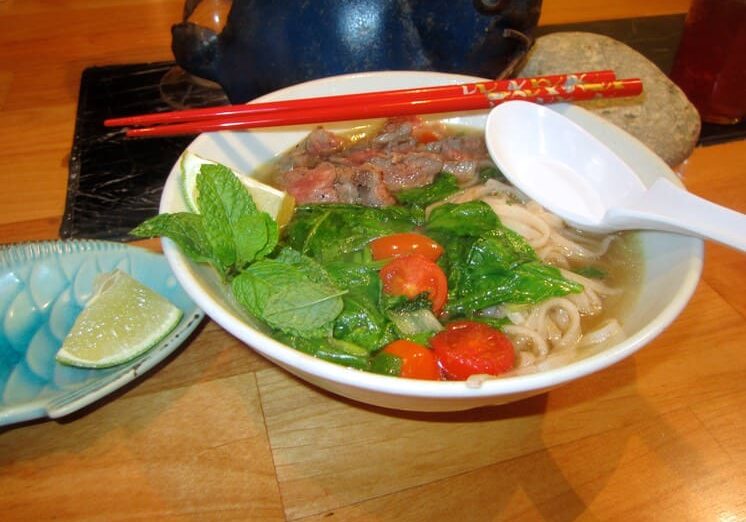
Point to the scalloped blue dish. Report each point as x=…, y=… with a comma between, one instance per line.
x=43, y=288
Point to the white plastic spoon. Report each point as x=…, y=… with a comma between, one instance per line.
x=568, y=171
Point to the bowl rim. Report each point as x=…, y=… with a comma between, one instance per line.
x=296, y=361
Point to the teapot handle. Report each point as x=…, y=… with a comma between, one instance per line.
x=489, y=7
x=195, y=49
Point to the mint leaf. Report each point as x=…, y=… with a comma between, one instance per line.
x=237, y=232
x=286, y=298
x=302, y=307
x=305, y=265
x=230, y=233
x=273, y=235
x=184, y=228
x=250, y=238
x=254, y=285
x=217, y=219
x=235, y=199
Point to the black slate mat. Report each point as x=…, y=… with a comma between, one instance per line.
x=114, y=184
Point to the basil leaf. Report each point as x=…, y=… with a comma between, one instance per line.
x=492, y=172
x=402, y=304
x=591, y=272
x=500, y=249
x=443, y=186
x=530, y=282
x=361, y=323
x=466, y=219
x=323, y=349
x=337, y=231
x=495, y=267
x=386, y=364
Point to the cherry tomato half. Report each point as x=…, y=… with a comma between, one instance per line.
x=411, y=275
x=404, y=244
x=467, y=348
x=417, y=361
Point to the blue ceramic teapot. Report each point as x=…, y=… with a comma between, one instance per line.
x=265, y=45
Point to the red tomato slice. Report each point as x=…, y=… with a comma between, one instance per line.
x=417, y=361
x=467, y=348
x=404, y=244
x=411, y=275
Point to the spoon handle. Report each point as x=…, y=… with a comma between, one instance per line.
x=665, y=206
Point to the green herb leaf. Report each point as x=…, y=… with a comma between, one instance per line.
x=216, y=218
x=306, y=266
x=324, y=349
x=500, y=249
x=492, y=173
x=250, y=238
x=184, y=228
x=402, y=304
x=494, y=322
x=333, y=232
x=286, y=298
x=443, y=186
x=530, y=282
x=466, y=219
x=386, y=364
x=361, y=323
x=302, y=307
x=591, y=272
x=235, y=199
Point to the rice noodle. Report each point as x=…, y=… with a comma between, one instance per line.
x=526, y=338
x=608, y=330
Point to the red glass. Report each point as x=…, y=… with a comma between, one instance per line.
x=710, y=65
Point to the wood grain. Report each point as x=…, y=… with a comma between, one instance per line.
x=218, y=432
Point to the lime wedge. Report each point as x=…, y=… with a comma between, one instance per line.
x=276, y=203
x=122, y=320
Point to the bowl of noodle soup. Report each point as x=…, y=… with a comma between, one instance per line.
x=650, y=275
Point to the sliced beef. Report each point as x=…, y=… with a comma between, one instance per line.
x=317, y=147
x=312, y=185
x=403, y=171
x=363, y=185
x=323, y=143
x=466, y=171
x=398, y=135
x=406, y=153
x=464, y=147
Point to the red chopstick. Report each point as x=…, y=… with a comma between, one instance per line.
x=464, y=102
x=419, y=93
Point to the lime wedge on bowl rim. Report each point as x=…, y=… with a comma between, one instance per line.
x=122, y=320
x=277, y=203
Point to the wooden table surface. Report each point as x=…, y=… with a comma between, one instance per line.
x=217, y=432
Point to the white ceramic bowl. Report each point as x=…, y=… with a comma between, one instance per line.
x=671, y=270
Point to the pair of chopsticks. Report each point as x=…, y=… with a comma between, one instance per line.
x=400, y=102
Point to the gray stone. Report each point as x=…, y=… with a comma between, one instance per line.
x=661, y=117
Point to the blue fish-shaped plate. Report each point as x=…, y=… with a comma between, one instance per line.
x=43, y=288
